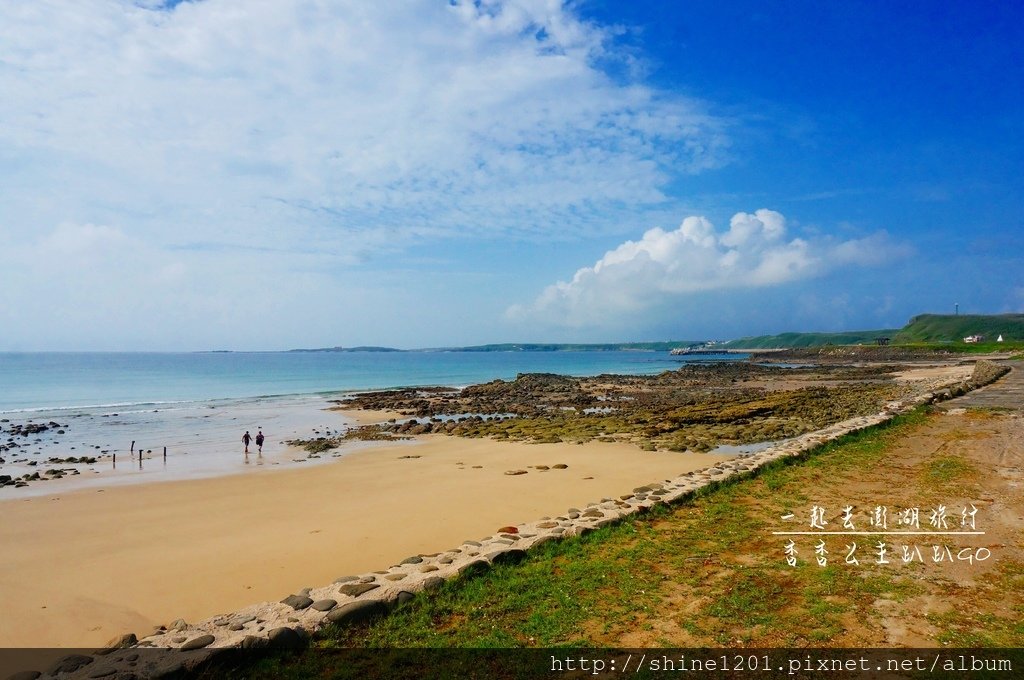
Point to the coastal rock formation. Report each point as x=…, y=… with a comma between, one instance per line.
x=694, y=408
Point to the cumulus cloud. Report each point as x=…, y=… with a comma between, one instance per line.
x=754, y=252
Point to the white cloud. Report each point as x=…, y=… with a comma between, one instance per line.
x=753, y=253
x=423, y=117
x=312, y=135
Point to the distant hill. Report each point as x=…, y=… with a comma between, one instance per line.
x=528, y=347
x=578, y=347
x=808, y=339
x=349, y=349
x=924, y=328
x=955, y=327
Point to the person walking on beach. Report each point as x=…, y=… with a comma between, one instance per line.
x=246, y=438
x=259, y=440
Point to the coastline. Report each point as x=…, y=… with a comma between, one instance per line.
x=91, y=565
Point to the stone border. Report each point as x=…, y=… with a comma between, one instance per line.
x=361, y=598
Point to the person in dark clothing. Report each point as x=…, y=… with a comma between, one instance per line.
x=259, y=440
x=246, y=438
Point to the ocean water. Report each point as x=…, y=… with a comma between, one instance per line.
x=33, y=381
x=111, y=406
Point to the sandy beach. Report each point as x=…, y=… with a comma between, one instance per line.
x=82, y=567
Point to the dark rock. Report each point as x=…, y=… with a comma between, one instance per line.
x=354, y=613
x=415, y=559
x=25, y=675
x=253, y=642
x=325, y=605
x=508, y=530
x=103, y=672
x=70, y=664
x=174, y=669
x=433, y=583
x=297, y=602
x=403, y=597
x=286, y=638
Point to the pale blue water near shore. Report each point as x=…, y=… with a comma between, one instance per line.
x=198, y=404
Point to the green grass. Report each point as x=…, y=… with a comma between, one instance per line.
x=954, y=328
x=795, y=339
x=945, y=469
x=960, y=347
x=925, y=332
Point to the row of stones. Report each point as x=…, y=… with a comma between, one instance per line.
x=355, y=599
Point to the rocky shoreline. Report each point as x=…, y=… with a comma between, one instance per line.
x=695, y=408
x=358, y=598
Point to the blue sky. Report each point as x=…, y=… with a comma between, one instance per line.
x=267, y=175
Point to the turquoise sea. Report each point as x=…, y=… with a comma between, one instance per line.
x=197, y=405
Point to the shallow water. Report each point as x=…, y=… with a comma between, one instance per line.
x=203, y=439
x=197, y=405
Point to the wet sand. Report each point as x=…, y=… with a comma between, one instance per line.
x=82, y=567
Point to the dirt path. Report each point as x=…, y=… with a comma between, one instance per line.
x=957, y=460
x=1005, y=393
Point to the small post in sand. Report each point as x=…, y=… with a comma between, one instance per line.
x=165, y=455
x=132, y=451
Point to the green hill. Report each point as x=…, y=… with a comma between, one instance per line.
x=954, y=328
x=808, y=339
